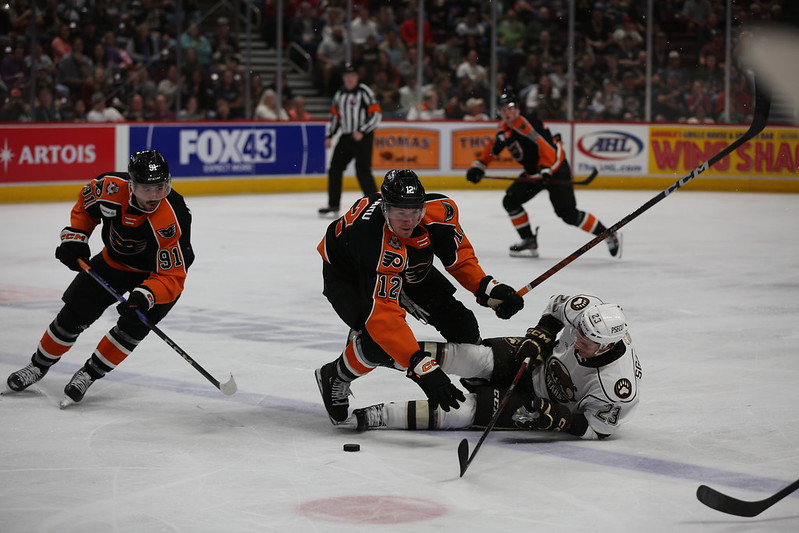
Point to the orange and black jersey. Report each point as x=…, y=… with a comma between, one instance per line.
x=135, y=241
x=532, y=147
x=361, y=248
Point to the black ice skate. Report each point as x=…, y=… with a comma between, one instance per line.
x=77, y=387
x=614, y=241
x=526, y=247
x=328, y=211
x=25, y=377
x=372, y=417
x=335, y=393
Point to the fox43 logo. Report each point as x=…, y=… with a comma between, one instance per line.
x=234, y=145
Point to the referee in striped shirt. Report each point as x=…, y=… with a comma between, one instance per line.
x=356, y=112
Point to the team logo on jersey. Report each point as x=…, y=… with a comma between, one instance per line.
x=416, y=273
x=112, y=188
x=126, y=246
x=168, y=232
x=579, y=303
x=623, y=388
x=394, y=242
x=98, y=191
x=560, y=385
x=392, y=259
x=449, y=211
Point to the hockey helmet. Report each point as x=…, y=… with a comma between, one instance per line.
x=402, y=188
x=604, y=324
x=507, y=99
x=148, y=167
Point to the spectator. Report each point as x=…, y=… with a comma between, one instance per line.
x=77, y=113
x=61, y=45
x=268, y=108
x=13, y=70
x=140, y=83
x=118, y=57
x=472, y=25
x=475, y=110
x=229, y=88
x=393, y=46
x=161, y=111
x=699, y=115
x=386, y=21
x=528, y=75
x=510, y=37
x=298, y=110
x=544, y=100
x=668, y=100
x=598, y=29
x=330, y=57
x=607, y=104
x=387, y=94
x=472, y=69
x=168, y=86
x=45, y=110
x=196, y=86
x=409, y=31
x=143, y=48
x=135, y=111
x=451, y=49
x=362, y=26
x=192, y=110
x=428, y=109
x=15, y=109
x=697, y=13
x=193, y=39
x=98, y=82
x=715, y=48
x=221, y=111
x=74, y=68
x=223, y=44
x=305, y=29
x=628, y=29
x=286, y=93
x=102, y=113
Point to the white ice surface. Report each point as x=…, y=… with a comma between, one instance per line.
x=710, y=284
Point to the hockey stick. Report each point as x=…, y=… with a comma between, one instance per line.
x=228, y=387
x=463, y=448
x=537, y=178
x=760, y=116
x=727, y=504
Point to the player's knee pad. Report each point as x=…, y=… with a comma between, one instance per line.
x=511, y=202
x=507, y=360
x=487, y=400
x=570, y=216
x=72, y=321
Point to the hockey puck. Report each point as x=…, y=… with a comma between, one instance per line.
x=352, y=447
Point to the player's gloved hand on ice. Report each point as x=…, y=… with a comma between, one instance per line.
x=502, y=298
x=74, y=245
x=542, y=415
x=434, y=382
x=475, y=174
x=140, y=299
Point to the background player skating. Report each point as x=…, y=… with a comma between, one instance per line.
x=378, y=264
x=585, y=383
x=539, y=154
x=147, y=251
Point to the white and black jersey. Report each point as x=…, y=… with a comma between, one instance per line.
x=356, y=110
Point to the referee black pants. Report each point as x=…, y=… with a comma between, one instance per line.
x=346, y=149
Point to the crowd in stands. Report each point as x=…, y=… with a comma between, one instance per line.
x=108, y=60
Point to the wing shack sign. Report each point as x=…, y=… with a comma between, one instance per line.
x=416, y=148
x=55, y=154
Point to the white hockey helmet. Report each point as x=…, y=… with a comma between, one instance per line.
x=604, y=324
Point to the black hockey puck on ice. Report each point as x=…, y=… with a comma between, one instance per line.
x=352, y=447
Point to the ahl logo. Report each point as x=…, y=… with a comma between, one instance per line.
x=610, y=145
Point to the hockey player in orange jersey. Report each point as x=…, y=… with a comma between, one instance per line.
x=378, y=265
x=544, y=164
x=147, y=251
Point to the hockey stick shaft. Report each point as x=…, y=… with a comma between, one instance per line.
x=760, y=117
x=463, y=448
x=727, y=504
x=229, y=387
x=535, y=178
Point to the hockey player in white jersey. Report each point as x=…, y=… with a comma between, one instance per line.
x=583, y=381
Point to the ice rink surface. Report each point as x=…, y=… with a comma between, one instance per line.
x=709, y=282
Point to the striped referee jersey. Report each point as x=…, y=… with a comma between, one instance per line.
x=356, y=110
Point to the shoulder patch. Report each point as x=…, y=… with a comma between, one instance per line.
x=623, y=388
x=168, y=232
x=112, y=188
x=449, y=211
x=579, y=303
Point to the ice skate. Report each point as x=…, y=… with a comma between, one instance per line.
x=335, y=393
x=614, y=241
x=372, y=417
x=77, y=387
x=25, y=377
x=526, y=247
x=328, y=212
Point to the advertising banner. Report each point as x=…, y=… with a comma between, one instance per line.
x=406, y=147
x=614, y=149
x=51, y=153
x=775, y=152
x=217, y=150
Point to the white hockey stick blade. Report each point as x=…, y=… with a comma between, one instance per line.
x=771, y=54
x=229, y=387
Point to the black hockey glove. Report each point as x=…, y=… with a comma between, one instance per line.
x=500, y=297
x=434, y=382
x=499, y=143
x=74, y=245
x=537, y=345
x=475, y=174
x=543, y=415
x=546, y=176
x=139, y=299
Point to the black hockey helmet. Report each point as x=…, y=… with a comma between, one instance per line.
x=148, y=167
x=507, y=98
x=402, y=188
